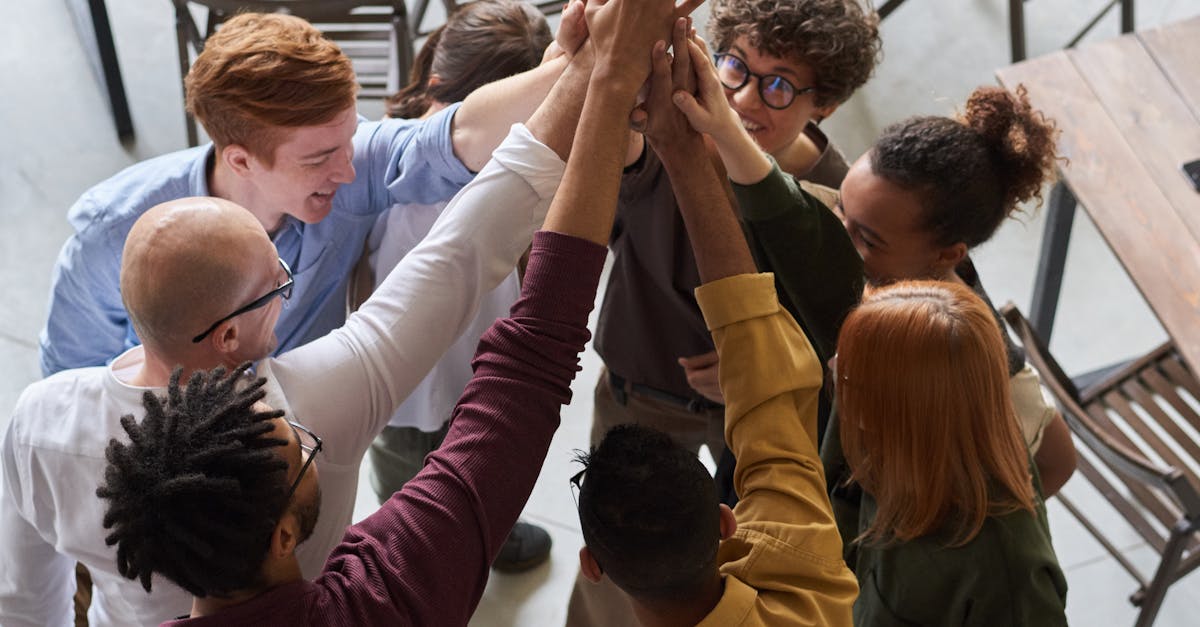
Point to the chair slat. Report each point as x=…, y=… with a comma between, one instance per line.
x=1152, y=500
x=1133, y=390
x=1129, y=511
x=1165, y=391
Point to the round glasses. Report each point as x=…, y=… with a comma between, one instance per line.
x=776, y=91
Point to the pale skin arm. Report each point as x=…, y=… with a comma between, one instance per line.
x=708, y=112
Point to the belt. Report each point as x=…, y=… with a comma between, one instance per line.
x=621, y=388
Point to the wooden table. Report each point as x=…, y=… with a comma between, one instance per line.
x=1129, y=112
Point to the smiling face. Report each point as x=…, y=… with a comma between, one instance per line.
x=309, y=165
x=773, y=129
x=884, y=221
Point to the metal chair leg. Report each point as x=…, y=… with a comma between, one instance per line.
x=1165, y=575
x=182, y=34
x=1126, y=16
x=1016, y=29
x=110, y=69
x=1056, y=236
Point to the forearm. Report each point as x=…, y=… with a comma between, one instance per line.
x=745, y=162
x=556, y=118
x=487, y=113
x=712, y=226
x=587, y=198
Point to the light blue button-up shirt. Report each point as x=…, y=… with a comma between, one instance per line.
x=397, y=161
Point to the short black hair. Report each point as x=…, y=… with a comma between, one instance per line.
x=649, y=513
x=197, y=491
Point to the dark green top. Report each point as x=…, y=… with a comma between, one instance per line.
x=1008, y=574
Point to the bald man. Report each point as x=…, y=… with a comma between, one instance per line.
x=204, y=285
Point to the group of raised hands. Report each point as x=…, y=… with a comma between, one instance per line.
x=650, y=46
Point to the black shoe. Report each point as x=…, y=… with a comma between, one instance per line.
x=527, y=547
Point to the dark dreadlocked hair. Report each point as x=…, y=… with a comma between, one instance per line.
x=197, y=491
x=649, y=514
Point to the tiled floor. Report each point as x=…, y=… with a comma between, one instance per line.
x=58, y=140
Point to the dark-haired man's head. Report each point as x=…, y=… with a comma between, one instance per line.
x=212, y=490
x=650, y=518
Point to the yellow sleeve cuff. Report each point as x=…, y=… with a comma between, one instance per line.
x=737, y=298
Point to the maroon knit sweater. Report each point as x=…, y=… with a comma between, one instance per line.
x=423, y=558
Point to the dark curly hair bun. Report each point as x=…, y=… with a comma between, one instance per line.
x=970, y=173
x=1021, y=140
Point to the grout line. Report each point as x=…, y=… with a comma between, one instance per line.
x=1106, y=555
x=24, y=343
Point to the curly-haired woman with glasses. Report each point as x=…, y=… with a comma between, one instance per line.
x=798, y=60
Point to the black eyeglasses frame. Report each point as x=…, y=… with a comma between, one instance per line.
x=312, y=454
x=284, y=291
x=763, y=79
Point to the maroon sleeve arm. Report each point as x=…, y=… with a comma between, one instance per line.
x=423, y=558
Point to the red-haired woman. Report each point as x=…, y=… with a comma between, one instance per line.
x=928, y=191
x=952, y=528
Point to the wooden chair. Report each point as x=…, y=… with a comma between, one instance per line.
x=1141, y=424
x=375, y=34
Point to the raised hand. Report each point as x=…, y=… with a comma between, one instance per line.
x=663, y=123
x=572, y=32
x=623, y=33
x=702, y=373
x=707, y=109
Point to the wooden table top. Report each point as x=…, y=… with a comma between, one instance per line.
x=1129, y=112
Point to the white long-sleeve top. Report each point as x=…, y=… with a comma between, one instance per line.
x=395, y=234
x=343, y=386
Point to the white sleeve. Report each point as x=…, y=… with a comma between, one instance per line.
x=346, y=385
x=1033, y=405
x=36, y=582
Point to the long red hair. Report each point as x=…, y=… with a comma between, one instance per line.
x=927, y=422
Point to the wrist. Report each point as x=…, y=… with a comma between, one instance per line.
x=744, y=161
x=614, y=79
x=680, y=147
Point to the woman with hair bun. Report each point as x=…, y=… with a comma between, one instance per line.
x=927, y=192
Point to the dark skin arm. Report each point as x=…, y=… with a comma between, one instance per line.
x=720, y=248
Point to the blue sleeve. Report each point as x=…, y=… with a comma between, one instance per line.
x=87, y=324
x=422, y=166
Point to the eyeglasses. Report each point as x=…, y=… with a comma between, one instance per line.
x=776, y=91
x=309, y=443
x=284, y=291
x=576, y=486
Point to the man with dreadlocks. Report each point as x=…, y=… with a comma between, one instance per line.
x=215, y=491
x=200, y=278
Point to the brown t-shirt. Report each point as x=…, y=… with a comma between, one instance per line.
x=649, y=317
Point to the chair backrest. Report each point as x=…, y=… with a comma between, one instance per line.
x=373, y=33
x=1137, y=422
